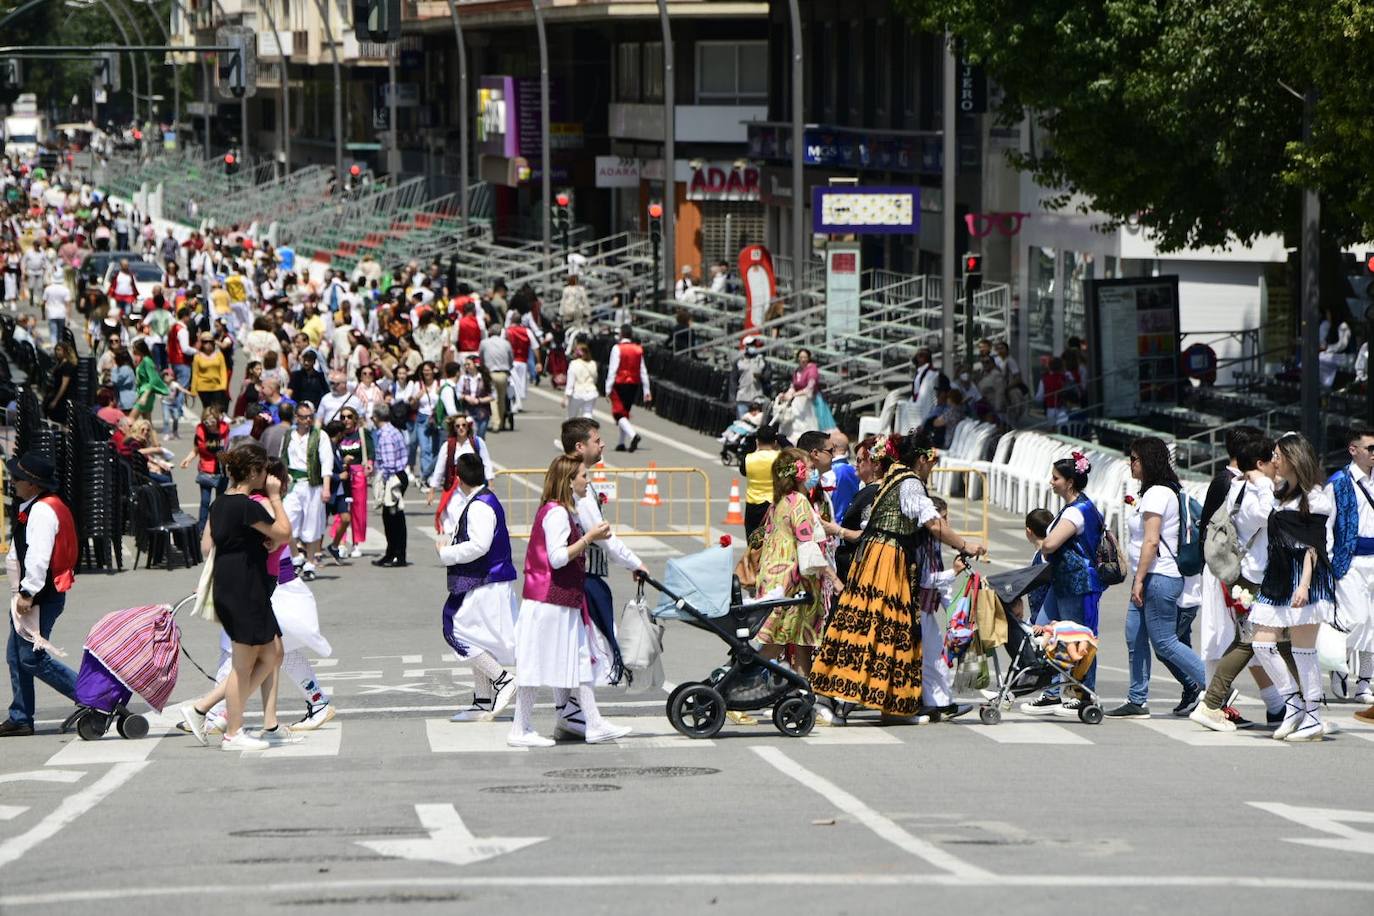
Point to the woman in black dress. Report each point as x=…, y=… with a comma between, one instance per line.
x=243, y=533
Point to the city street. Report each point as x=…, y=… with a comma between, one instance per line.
x=391, y=807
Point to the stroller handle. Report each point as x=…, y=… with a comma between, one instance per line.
x=189, y=599
x=798, y=600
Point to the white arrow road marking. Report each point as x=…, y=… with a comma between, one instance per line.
x=373, y=689
x=72, y=807
x=10, y=812
x=44, y=776
x=449, y=840
x=1335, y=821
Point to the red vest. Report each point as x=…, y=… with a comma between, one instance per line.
x=519, y=339
x=469, y=334
x=175, y=355
x=1054, y=383
x=631, y=357
x=62, y=566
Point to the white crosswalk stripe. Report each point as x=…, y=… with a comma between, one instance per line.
x=325, y=741
x=1026, y=732
x=1194, y=735
x=850, y=735
x=447, y=737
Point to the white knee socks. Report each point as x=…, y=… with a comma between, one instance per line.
x=524, y=710
x=487, y=671
x=627, y=432
x=298, y=668
x=1268, y=655
x=587, y=700
x=1310, y=678
x=1366, y=671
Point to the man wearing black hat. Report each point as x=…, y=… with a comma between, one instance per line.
x=41, y=565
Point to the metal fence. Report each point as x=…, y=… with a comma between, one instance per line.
x=968, y=515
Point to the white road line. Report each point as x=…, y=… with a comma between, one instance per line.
x=638, y=742
x=882, y=826
x=101, y=896
x=447, y=737
x=850, y=735
x=68, y=776
x=324, y=741
x=109, y=749
x=1194, y=735
x=1352, y=726
x=72, y=807
x=10, y=812
x=1027, y=732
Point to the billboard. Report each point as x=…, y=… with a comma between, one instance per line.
x=1134, y=326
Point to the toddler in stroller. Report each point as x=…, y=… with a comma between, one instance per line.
x=739, y=438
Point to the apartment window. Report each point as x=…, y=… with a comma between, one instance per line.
x=627, y=82
x=732, y=72
x=653, y=71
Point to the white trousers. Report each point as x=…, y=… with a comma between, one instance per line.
x=305, y=510
x=1355, y=603
x=936, y=676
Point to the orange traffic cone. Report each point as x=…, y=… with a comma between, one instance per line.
x=734, y=515
x=651, y=488
x=601, y=483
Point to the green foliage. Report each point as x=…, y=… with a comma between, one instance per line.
x=1177, y=111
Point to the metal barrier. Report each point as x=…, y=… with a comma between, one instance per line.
x=683, y=498
x=968, y=516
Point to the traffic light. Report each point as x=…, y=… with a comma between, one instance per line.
x=1369, y=262
x=106, y=72
x=231, y=164
x=377, y=20
x=355, y=170
x=562, y=203
x=237, y=68
x=11, y=74
x=973, y=273
x=656, y=222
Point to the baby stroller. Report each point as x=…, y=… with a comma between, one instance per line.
x=702, y=590
x=1032, y=666
x=130, y=651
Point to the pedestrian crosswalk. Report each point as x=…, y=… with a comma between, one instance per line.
x=354, y=733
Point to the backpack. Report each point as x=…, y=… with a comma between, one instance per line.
x=1110, y=561
x=1188, y=556
x=440, y=411
x=1221, y=547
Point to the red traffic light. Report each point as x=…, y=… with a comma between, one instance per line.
x=562, y=199
x=973, y=263
x=138, y=135
x=655, y=210
x=228, y=158
x=355, y=170
x=1369, y=262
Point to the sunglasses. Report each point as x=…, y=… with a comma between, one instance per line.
x=1369, y=449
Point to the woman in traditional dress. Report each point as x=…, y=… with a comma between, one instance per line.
x=1299, y=588
x=553, y=633
x=793, y=552
x=871, y=653
x=801, y=397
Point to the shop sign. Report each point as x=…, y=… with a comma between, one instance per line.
x=843, y=148
x=847, y=209
x=617, y=172
x=723, y=181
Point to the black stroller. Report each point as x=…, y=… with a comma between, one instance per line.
x=746, y=682
x=1032, y=668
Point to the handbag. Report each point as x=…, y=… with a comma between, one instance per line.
x=1331, y=654
x=639, y=634
x=811, y=559
x=205, y=591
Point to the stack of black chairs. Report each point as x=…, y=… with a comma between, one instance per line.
x=688, y=392
x=96, y=502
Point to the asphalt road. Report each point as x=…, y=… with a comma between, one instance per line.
x=392, y=808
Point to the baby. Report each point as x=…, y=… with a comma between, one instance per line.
x=746, y=425
x=1071, y=646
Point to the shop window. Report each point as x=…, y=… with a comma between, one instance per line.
x=1040, y=313
x=732, y=72
x=1077, y=271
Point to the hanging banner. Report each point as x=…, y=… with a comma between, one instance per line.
x=760, y=284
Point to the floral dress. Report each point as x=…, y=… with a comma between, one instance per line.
x=790, y=522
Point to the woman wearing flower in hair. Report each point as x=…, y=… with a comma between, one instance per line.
x=790, y=524
x=871, y=654
x=1071, y=549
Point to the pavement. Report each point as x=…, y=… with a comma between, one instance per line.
x=392, y=808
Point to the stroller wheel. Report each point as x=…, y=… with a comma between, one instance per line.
x=1090, y=715
x=990, y=715
x=132, y=726
x=794, y=716
x=726, y=459
x=697, y=710
x=92, y=726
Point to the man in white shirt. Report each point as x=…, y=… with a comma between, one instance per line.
x=33, y=268
x=338, y=396
x=1351, y=548
x=581, y=438
x=56, y=298
x=720, y=277
x=924, y=389
x=309, y=459
x=499, y=358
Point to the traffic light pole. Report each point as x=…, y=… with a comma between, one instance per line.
x=462, y=114
x=947, y=195
x=338, y=95
x=285, y=84
x=138, y=33
x=798, y=134
x=544, y=124
x=665, y=280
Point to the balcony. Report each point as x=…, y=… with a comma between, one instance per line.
x=271, y=44
x=694, y=123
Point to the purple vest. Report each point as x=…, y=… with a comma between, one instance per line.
x=495, y=565
x=563, y=587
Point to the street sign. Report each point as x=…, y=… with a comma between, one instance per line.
x=846, y=210
x=238, y=70
x=843, y=278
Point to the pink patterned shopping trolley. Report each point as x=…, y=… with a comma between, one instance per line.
x=130, y=651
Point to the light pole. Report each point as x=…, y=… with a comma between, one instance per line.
x=133, y=66
x=798, y=191
x=665, y=280
x=947, y=305
x=338, y=94
x=544, y=124
x=462, y=115
x=176, y=68
x=285, y=85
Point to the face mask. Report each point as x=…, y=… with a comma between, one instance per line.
x=963, y=376
x=813, y=479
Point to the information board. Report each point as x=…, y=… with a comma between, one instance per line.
x=1135, y=329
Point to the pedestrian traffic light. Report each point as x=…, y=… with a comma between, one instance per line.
x=973, y=273
x=562, y=201
x=355, y=170
x=11, y=74
x=377, y=20
x=1369, y=261
x=107, y=71
x=656, y=222
x=237, y=68
x=231, y=164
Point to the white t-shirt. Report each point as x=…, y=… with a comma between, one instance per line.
x=1072, y=516
x=55, y=299
x=1161, y=501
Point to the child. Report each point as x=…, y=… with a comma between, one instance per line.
x=1038, y=523
x=1072, y=646
x=937, y=694
x=746, y=425
x=173, y=406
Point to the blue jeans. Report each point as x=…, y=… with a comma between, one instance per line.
x=1154, y=626
x=55, y=328
x=182, y=373
x=429, y=448
x=211, y=485
x=1067, y=607
x=26, y=664
x=1186, y=616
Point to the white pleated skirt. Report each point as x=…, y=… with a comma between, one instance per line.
x=1267, y=615
x=486, y=621
x=552, y=646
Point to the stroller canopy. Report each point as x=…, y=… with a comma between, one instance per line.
x=702, y=579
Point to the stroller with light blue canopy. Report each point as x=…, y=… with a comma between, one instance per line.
x=701, y=590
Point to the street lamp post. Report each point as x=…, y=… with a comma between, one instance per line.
x=665, y=281
x=798, y=191
x=462, y=115
x=338, y=94
x=948, y=126
x=544, y=123
x=285, y=86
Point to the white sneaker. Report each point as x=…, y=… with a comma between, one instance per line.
x=528, y=739
x=1041, y=706
x=1068, y=709
x=505, y=692
x=477, y=712
x=242, y=742
x=195, y=720
x=1363, y=693
x=606, y=732
x=1213, y=719
x=314, y=718
x=215, y=723
x=1329, y=727
x=278, y=736
x=824, y=714
x=356, y=552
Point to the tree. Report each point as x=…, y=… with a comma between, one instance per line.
x=1182, y=112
